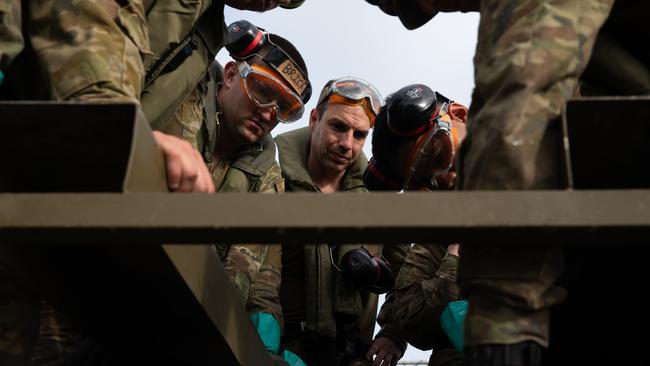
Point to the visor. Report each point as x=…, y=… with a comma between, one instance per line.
x=353, y=91
x=267, y=91
x=433, y=154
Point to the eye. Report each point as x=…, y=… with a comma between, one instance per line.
x=339, y=126
x=360, y=135
x=263, y=91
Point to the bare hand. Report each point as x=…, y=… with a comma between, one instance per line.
x=256, y=5
x=384, y=351
x=453, y=249
x=186, y=171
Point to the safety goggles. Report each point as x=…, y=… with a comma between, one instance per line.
x=434, y=153
x=266, y=90
x=353, y=91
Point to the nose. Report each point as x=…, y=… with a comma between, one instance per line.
x=267, y=114
x=346, y=141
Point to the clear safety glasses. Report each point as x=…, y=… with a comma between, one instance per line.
x=268, y=91
x=354, y=91
x=433, y=155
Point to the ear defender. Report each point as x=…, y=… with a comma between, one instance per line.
x=410, y=110
x=367, y=271
x=244, y=39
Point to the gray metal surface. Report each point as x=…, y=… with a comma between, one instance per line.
x=524, y=217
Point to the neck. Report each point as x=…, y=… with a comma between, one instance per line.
x=327, y=181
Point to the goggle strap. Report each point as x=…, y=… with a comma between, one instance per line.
x=372, y=167
x=415, y=132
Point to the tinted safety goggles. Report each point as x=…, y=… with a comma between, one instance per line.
x=266, y=90
x=354, y=91
x=434, y=153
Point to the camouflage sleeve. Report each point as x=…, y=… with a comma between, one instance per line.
x=425, y=284
x=91, y=50
x=188, y=117
x=395, y=254
x=265, y=290
x=11, y=38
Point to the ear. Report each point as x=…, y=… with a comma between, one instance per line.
x=230, y=74
x=313, y=118
x=458, y=111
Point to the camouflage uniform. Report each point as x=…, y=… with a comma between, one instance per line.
x=11, y=37
x=85, y=50
x=335, y=309
x=185, y=38
x=528, y=57
x=254, y=269
x=425, y=285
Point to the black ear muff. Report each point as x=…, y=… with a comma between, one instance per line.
x=366, y=271
x=244, y=39
x=386, y=279
x=410, y=110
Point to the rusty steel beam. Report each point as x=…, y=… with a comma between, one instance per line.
x=603, y=216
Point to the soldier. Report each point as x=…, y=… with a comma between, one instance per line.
x=528, y=59
x=94, y=51
x=265, y=85
x=414, y=144
x=328, y=318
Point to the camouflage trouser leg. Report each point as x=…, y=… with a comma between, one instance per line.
x=19, y=316
x=11, y=37
x=255, y=271
x=529, y=55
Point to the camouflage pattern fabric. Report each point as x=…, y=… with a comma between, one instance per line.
x=188, y=117
x=528, y=58
x=19, y=314
x=424, y=286
x=92, y=49
x=57, y=339
x=254, y=269
x=11, y=36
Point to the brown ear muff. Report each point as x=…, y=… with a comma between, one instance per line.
x=244, y=39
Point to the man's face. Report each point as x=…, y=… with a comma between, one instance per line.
x=421, y=180
x=338, y=136
x=245, y=121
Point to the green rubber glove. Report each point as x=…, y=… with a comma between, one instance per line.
x=292, y=359
x=452, y=322
x=268, y=329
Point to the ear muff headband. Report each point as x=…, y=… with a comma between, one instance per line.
x=252, y=46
